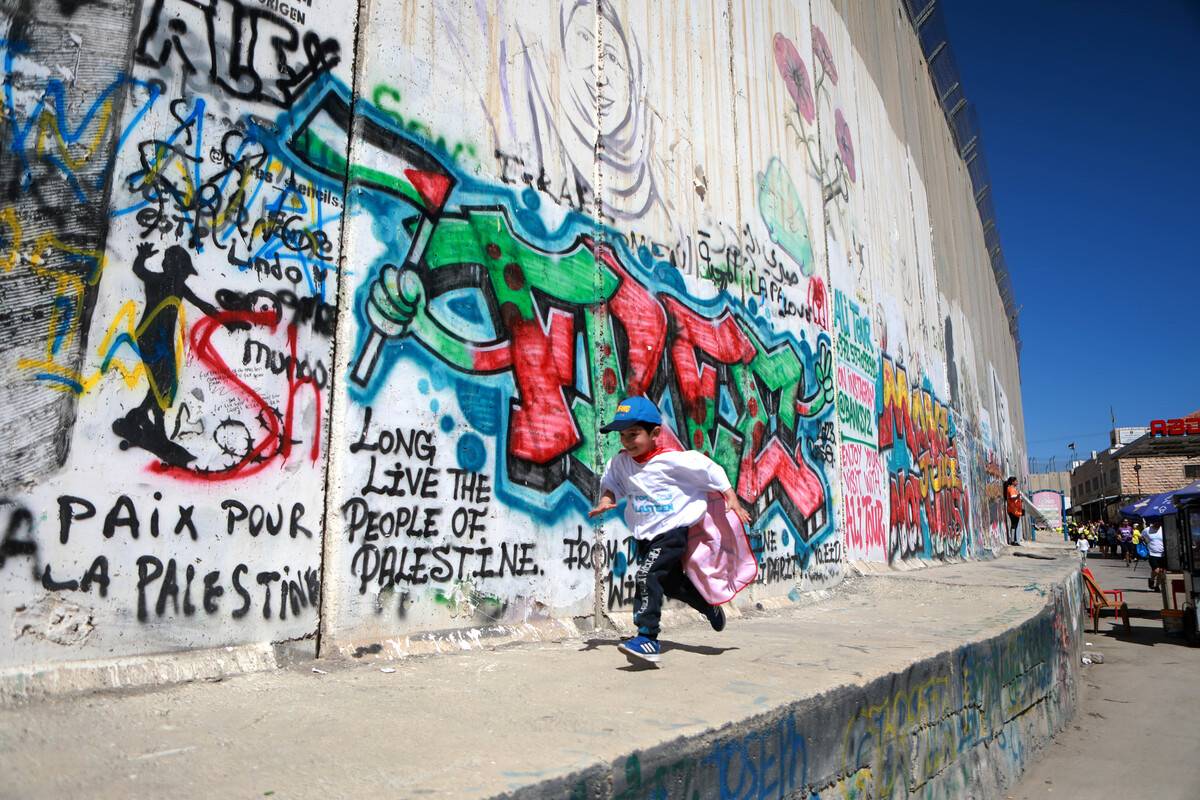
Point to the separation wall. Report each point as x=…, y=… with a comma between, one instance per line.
x=965, y=723
x=310, y=317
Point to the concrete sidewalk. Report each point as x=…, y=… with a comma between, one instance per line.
x=940, y=682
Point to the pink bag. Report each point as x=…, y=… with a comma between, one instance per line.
x=718, y=559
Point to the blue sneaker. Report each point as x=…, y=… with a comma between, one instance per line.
x=641, y=648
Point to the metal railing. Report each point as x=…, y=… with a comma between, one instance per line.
x=927, y=20
x=1038, y=466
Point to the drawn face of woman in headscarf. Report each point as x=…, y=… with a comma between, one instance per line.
x=579, y=48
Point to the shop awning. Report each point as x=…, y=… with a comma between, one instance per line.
x=1188, y=495
x=1156, y=505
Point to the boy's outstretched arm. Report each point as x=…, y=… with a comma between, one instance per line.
x=735, y=505
x=608, y=502
x=144, y=251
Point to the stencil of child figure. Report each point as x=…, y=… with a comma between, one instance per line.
x=159, y=337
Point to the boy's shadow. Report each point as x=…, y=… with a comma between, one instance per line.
x=698, y=649
x=667, y=646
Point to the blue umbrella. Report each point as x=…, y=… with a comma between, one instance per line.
x=1156, y=505
x=1188, y=493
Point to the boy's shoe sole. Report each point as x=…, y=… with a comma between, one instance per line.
x=634, y=657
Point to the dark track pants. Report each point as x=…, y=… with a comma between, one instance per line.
x=661, y=573
x=1014, y=525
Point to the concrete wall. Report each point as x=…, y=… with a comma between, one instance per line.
x=964, y=724
x=311, y=316
x=1058, y=481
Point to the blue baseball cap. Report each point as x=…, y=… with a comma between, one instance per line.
x=632, y=410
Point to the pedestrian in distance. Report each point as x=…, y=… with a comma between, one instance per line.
x=666, y=492
x=1137, y=544
x=1083, y=545
x=1152, y=537
x=1016, y=510
x=1126, y=538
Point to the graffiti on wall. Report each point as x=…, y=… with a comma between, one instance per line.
x=941, y=729
x=187, y=275
x=173, y=230
x=813, y=87
x=1001, y=419
x=864, y=478
x=544, y=331
x=62, y=121
x=581, y=85
x=192, y=188
x=929, y=508
x=248, y=52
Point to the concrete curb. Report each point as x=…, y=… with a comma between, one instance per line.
x=133, y=672
x=458, y=640
x=961, y=724
x=20, y=685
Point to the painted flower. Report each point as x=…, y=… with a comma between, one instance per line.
x=795, y=76
x=823, y=54
x=845, y=145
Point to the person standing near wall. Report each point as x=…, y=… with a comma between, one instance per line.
x=1016, y=510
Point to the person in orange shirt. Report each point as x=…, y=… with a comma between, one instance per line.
x=1016, y=510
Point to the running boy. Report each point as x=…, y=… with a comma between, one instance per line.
x=667, y=493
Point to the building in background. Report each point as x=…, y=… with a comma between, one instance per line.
x=1119, y=437
x=1150, y=462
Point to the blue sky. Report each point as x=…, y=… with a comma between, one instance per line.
x=1090, y=112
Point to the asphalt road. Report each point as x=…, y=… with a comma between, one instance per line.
x=1136, y=733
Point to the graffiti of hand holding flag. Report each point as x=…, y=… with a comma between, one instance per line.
x=386, y=161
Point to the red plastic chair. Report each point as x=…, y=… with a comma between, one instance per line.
x=1118, y=596
x=1097, y=600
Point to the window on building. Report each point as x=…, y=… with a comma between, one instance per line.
x=1191, y=470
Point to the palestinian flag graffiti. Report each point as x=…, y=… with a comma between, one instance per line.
x=385, y=159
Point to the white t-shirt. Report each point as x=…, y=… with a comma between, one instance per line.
x=1083, y=545
x=668, y=491
x=1153, y=538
